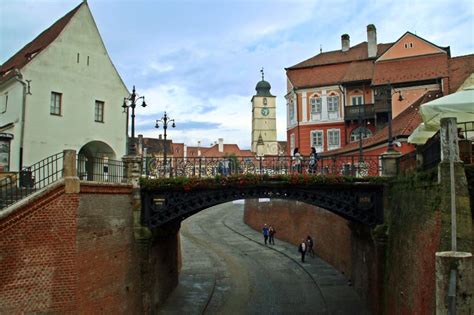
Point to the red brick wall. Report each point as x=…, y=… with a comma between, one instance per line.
x=37, y=256
x=71, y=253
x=294, y=220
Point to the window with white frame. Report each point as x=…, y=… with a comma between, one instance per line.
x=317, y=140
x=56, y=100
x=291, y=111
x=99, y=111
x=316, y=105
x=333, y=103
x=357, y=100
x=334, y=138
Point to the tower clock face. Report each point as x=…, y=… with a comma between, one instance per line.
x=264, y=101
x=265, y=111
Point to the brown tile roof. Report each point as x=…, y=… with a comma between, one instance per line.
x=402, y=126
x=410, y=69
x=24, y=55
x=318, y=76
x=228, y=149
x=155, y=146
x=359, y=71
x=460, y=68
x=357, y=52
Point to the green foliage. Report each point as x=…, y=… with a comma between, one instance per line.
x=250, y=180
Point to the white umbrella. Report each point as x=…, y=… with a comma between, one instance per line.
x=459, y=105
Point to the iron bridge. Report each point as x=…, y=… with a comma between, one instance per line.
x=356, y=202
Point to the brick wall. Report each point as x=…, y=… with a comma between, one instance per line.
x=294, y=220
x=70, y=253
x=37, y=255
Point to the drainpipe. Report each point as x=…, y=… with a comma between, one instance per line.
x=343, y=111
x=297, y=119
x=26, y=91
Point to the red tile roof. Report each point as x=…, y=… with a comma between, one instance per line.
x=460, y=68
x=22, y=57
x=410, y=69
x=318, y=76
x=402, y=126
x=359, y=71
x=357, y=52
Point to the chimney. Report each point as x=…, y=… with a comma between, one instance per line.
x=160, y=137
x=221, y=145
x=371, y=40
x=345, y=42
x=199, y=148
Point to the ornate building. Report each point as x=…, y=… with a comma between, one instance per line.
x=264, y=135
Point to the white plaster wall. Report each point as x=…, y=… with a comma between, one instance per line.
x=12, y=115
x=56, y=69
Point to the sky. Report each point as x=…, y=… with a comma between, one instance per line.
x=199, y=60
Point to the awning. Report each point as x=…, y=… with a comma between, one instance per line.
x=459, y=105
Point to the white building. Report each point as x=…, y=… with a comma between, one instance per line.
x=61, y=91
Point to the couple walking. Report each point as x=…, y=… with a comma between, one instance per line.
x=268, y=234
x=306, y=246
x=297, y=161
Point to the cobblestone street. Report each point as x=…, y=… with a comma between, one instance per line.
x=228, y=270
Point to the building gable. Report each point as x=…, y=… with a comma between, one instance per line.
x=410, y=45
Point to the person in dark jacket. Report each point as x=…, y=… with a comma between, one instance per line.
x=302, y=249
x=271, y=235
x=265, y=233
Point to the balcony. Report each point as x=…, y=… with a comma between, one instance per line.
x=365, y=111
x=382, y=107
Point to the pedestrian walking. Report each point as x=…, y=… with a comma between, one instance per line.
x=271, y=235
x=313, y=160
x=302, y=249
x=265, y=233
x=310, y=244
x=297, y=161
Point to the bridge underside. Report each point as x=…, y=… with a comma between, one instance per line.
x=362, y=203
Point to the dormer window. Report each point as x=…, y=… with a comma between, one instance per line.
x=409, y=45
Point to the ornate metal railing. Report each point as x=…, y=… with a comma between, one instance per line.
x=100, y=169
x=30, y=179
x=213, y=166
x=353, y=112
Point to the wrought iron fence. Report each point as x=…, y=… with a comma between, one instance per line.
x=466, y=142
x=100, y=169
x=30, y=179
x=276, y=165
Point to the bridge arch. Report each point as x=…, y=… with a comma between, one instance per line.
x=361, y=203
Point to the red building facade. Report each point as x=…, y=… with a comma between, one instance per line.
x=337, y=97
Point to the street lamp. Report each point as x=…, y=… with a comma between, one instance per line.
x=165, y=120
x=389, y=103
x=131, y=102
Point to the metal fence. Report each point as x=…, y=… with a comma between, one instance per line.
x=100, y=169
x=30, y=179
x=277, y=165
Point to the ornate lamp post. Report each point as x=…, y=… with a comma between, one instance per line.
x=131, y=102
x=165, y=120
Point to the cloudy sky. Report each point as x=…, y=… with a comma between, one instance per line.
x=200, y=60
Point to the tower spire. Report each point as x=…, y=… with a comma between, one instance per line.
x=263, y=74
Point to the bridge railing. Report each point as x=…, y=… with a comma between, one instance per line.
x=100, y=169
x=275, y=165
x=30, y=179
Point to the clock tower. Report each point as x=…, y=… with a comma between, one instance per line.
x=264, y=136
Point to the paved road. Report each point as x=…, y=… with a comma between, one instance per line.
x=228, y=270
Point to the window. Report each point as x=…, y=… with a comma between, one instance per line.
x=56, y=99
x=357, y=100
x=360, y=131
x=316, y=105
x=408, y=45
x=291, y=111
x=99, y=111
x=292, y=143
x=333, y=138
x=317, y=138
x=333, y=103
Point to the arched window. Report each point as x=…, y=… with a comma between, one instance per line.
x=365, y=132
x=316, y=104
